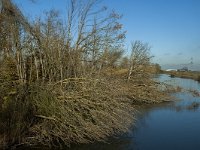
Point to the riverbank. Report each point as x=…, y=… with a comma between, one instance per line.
x=195, y=75
x=163, y=117
x=93, y=110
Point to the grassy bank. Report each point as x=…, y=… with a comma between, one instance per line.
x=195, y=75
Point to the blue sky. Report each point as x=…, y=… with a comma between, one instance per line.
x=171, y=27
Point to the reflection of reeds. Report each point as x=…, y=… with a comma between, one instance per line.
x=173, y=89
x=195, y=93
x=193, y=106
x=198, y=78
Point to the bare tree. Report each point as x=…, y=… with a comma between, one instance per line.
x=139, y=59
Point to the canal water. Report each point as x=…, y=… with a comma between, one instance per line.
x=169, y=126
x=173, y=126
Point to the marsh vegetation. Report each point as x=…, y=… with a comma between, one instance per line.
x=195, y=75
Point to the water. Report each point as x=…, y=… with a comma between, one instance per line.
x=184, y=83
x=169, y=126
x=172, y=126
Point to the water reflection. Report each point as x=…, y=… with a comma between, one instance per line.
x=171, y=126
x=168, y=128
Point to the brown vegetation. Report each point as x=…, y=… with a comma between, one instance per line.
x=195, y=75
x=63, y=84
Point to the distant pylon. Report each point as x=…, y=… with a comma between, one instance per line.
x=191, y=60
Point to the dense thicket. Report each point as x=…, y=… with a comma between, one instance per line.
x=68, y=83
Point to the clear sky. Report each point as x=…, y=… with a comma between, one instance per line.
x=171, y=27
